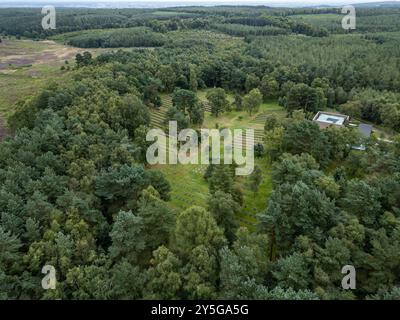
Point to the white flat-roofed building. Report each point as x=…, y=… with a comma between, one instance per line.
x=327, y=119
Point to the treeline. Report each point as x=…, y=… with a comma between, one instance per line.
x=130, y=37
x=281, y=22
x=374, y=106
x=27, y=22
x=365, y=23
x=312, y=72
x=346, y=60
x=244, y=30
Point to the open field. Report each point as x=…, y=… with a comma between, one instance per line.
x=27, y=66
x=17, y=53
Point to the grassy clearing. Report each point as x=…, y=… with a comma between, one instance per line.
x=25, y=82
x=254, y=203
x=188, y=185
x=330, y=21
x=240, y=119
x=27, y=67
x=22, y=47
x=169, y=13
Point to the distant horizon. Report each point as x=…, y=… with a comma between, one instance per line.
x=180, y=3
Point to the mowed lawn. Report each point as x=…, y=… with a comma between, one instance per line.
x=240, y=119
x=189, y=188
x=187, y=183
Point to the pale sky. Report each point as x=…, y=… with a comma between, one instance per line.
x=190, y=2
x=216, y=1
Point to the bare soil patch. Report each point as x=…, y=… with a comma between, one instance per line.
x=52, y=53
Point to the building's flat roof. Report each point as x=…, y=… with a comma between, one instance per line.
x=331, y=118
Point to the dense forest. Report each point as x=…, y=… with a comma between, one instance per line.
x=76, y=191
